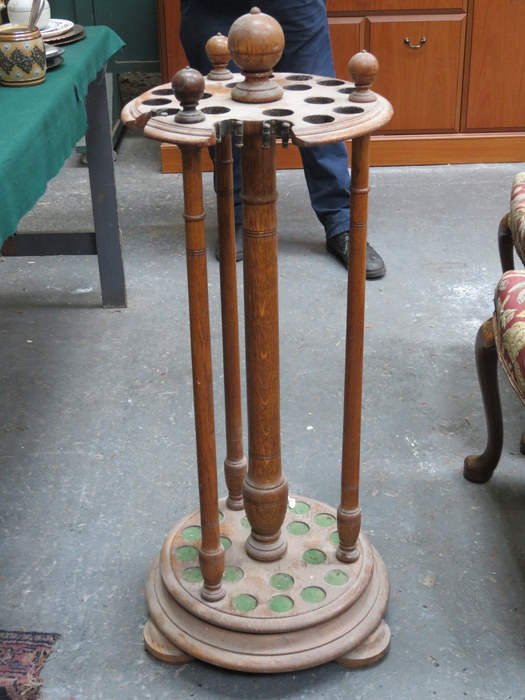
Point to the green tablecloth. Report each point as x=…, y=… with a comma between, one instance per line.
x=40, y=125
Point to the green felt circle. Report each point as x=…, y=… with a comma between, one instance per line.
x=336, y=577
x=186, y=553
x=314, y=556
x=244, y=602
x=245, y=522
x=232, y=574
x=324, y=520
x=226, y=542
x=221, y=516
x=192, y=575
x=281, y=603
x=281, y=581
x=192, y=533
x=297, y=528
x=300, y=508
x=313, y=594
x=334, y=537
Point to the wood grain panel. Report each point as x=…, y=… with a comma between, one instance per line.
x=496, y=86
x=423, y=84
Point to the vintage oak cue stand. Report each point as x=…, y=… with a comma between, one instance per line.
x=262, y=581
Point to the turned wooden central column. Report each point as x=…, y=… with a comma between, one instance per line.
x=265, y=488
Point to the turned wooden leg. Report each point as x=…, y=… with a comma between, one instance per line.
x=235, y=464
x=265, y=487
x=479, y=468
x=505, y=245
x=349, y=511
x=211, y=553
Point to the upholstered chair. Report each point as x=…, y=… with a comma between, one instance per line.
x=502, y=338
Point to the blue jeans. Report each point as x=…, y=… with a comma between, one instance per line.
x=307, y=50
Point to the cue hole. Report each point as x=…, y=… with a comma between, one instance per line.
x=297, y=86
x=330, y=82
x=215, y=110
x=166, y=112
x=157, y=101
x=318, y=119
x=348, y=110
x=298, y=77
x=319, y=100
x=278, y=112
x=163, y=91
x=346, y=90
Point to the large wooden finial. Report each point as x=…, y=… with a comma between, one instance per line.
x=188, y=86
x=218, y=54
x=256, y=43
x=363, y=68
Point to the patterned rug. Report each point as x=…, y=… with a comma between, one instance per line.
x=22, y=655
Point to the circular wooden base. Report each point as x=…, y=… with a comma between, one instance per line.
x=301, y=611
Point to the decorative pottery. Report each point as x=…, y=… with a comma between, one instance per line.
x=18, y=12
x=22, y=57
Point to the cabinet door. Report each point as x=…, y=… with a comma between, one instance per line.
x=496, y=89
x=347, y=35
x=365, y=6
x=420, y=67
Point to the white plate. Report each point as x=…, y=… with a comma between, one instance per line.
x=56, y=27
x=52, y=51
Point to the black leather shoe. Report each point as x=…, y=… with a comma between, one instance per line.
x=338, y=246
x=238, y=244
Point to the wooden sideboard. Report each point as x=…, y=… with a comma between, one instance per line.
x=450, y=68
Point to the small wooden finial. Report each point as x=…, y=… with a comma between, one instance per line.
x=188, y=86
x=256, y=43
x=218, y=54
x=363, y=68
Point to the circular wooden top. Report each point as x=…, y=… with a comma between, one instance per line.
x=319, y=110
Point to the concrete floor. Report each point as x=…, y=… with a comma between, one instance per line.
x=97, y=457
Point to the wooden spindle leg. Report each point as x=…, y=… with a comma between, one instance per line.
x=235, y=464
x=265, y=487
x=211, y=553
x=349, y=511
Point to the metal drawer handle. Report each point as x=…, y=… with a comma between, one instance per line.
x=423, y=40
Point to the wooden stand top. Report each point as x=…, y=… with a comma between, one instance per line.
x=314, y=110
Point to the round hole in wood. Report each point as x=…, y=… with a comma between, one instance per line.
x=346, y=90
x=297, y=86
x=231, y=85
x=324, y=520
x=166, y=112
x=277, y=112
x=232, y=574
x=299, y=508
x=331, y=82
x=334, y=537
x=313, y=594
x=226, y=542
x=282, y=581
x=157, y=101
x=348, y=110
x=298, y=77
x=163, y=91
x=314, y=556
x=245, y=523
x=319, y=100
x=186, y=553
x=318, y=119
x=192, y=575
x=297, y=528
x=245, y=602
x=205, y=95
x=215, y=110
x=280, y=603
x=193, y=532
x=336, y=577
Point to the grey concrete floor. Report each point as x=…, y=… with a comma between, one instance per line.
x=97, y=457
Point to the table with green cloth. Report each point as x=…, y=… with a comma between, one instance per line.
x=40, y=126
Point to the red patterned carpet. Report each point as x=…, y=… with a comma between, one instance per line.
x=22, y=655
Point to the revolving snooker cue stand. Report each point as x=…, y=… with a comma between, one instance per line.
x=261, y=581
